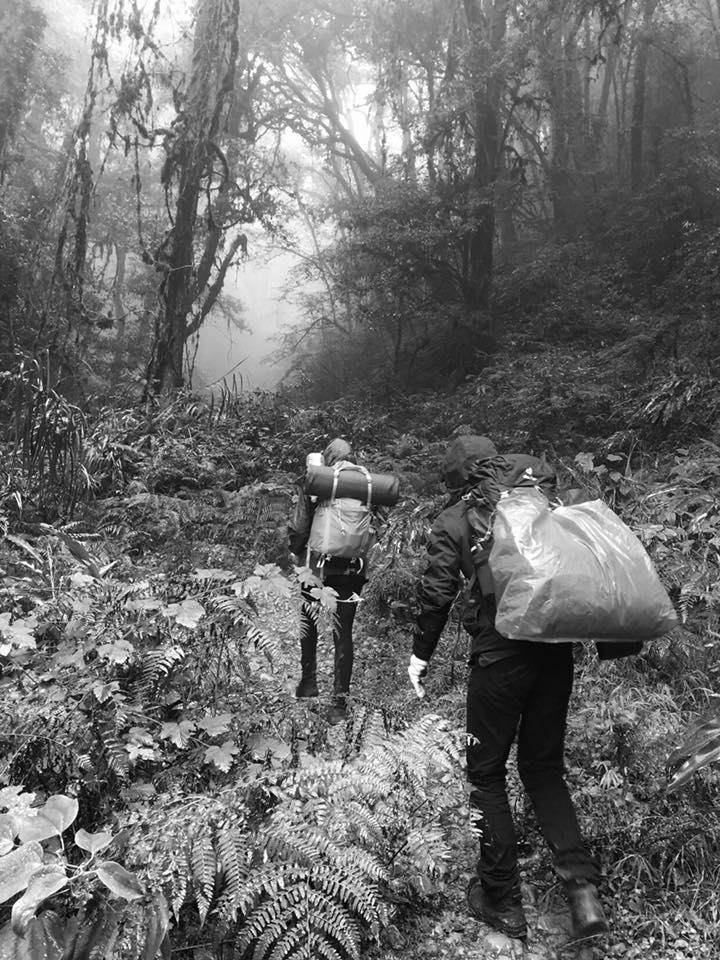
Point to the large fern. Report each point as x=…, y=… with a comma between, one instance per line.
x=340, y=840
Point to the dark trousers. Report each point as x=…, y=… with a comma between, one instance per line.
x=345, y=586
x=527, y=695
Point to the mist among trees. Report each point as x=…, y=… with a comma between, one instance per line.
x=451, y=176
x=504, y=219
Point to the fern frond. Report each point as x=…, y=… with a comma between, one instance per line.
x=236, y=608
x=232, y=869
x=115, y=755
x=286, y=947
x=282, y=905
x=363, y=822
x=334, y=922
x=319, y=947
x=204, y=869
x=262, y=641
x=179, y=883
x=428, y=849
x=266, y=881
x=270, y=938
x=363, y=861
x=352, y=890
x=303, y=846
x=156, y=667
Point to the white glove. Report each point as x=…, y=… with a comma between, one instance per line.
x=417, y=671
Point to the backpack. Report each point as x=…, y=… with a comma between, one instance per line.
x=573, y=573
x=499, y=475
x=341, y=526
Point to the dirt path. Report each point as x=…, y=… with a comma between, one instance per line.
x=443, y=929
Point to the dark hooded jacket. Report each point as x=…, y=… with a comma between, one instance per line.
x=472, y=463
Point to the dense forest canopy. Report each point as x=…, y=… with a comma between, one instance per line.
x=505, y=219
x=454, y=176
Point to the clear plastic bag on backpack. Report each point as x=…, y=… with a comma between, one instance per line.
x=572, y=573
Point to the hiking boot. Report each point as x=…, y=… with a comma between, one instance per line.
x=586, y=910
x=505, y=915
x=306, y=688
x=337, y=712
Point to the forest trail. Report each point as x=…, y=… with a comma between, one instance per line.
x=446, y=931
x=443, y=929
x=401, y=759
x=440, y=928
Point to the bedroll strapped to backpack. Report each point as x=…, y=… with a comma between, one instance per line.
x=321, y=481
x=341, y=525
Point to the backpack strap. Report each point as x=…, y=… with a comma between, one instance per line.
x=479, y=552
x=337, y=470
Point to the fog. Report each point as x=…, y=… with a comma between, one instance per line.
x=224, y=349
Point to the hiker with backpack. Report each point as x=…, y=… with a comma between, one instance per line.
x=514, y=688
x=313, y=535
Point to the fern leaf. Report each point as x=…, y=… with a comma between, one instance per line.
x=281, y=905
x=204, y=868
x=262, y=641
x=352, y=891
x=365, y=862
x=364, y=823
x=320, y=947
x=333, y=920
x=265, y=882
x=157, y=666
x=288, y=945
x=232, y=869
x=179, y=888
x=116, y=755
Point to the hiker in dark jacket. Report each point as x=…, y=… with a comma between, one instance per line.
x=346, y=577
x=514, y=687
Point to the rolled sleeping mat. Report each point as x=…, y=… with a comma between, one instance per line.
x=352, y=482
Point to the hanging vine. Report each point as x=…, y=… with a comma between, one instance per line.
x=130, y=96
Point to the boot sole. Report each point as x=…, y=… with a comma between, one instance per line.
x=515, y=933
x=594, y=930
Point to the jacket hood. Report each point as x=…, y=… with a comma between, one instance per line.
x=338, y=449
x=463, y=457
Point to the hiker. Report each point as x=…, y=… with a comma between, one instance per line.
x=346, y=577
x=514, y=687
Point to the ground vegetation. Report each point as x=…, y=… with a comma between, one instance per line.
x=508, y=225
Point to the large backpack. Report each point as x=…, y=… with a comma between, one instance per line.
x=495, y=477
x=341, y=526
x=598, y=585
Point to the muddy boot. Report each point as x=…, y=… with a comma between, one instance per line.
x=505, y=915
x=586, y=910
x=307, y=687
x=338, y=710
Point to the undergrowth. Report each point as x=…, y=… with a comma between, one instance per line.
x=148, y=650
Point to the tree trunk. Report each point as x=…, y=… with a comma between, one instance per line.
x=568, y=130
x=639, y=84
x=191, y=161
x=487, y=27
x=119, y=318
x=20, y=32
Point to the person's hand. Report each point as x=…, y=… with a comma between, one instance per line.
x=417, y=671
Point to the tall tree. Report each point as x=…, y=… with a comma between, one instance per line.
x=637, y=128
x=197, y=169
x=20, y=33
x=487, y=26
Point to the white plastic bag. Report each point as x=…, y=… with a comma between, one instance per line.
x=572, y=573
